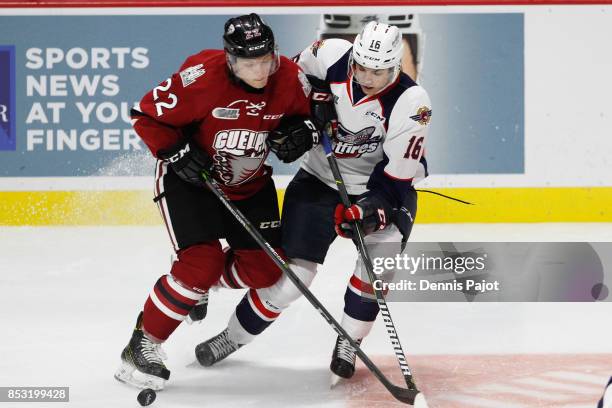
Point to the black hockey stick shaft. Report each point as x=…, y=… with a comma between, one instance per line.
x=401, y=394
x=367, y=262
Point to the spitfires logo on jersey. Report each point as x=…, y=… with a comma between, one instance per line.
x=423, y=116
x=240, y=154
x=314, y=48
x=355, y=144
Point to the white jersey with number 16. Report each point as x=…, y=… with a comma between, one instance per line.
x=388, y=129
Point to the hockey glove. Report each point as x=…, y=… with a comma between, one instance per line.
x=189, y=162
x=322, y=106
x=292, y=138
x=370, y=210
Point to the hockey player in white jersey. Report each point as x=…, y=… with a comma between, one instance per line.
x=382, y=125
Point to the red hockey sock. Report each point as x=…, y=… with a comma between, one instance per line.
x=167, y=306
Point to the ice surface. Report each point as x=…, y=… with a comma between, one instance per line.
x=69, y=298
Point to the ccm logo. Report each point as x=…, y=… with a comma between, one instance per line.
x=273, y=117
x=269, y=224
x=178, y=156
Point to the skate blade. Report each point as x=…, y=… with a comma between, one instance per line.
x=334, y=380
x=128, y=374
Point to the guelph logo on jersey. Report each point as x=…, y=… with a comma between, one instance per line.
x=240, y=154
x=423, y=115
x=355, y=144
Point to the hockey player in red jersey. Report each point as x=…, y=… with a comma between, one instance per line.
x=220, y=115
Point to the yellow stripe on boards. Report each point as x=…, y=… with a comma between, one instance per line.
x=508, y=205
x=78, y=208
x=491, y=205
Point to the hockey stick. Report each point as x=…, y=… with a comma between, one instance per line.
x=360, y=244
x=408, y=396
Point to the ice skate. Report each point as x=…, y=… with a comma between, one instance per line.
x=141, y=362
x=343, y=360
x=215, y=349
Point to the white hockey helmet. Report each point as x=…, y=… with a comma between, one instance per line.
x=378, y=46
x=348, y=25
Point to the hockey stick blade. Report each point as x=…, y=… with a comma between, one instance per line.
x=407, y=396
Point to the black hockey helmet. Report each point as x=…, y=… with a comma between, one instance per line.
x=248, y=37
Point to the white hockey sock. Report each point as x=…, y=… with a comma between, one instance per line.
x=357, y=329
x=237, y=333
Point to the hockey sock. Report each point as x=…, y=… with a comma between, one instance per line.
x=259, y=308
x=252, y=316
x=167, y=306
x=230, y=278
x=360, y=308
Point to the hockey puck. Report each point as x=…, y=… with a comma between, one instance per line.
x=146, y=397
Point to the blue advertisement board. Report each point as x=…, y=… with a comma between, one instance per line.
x=67, y=84
x=7, y=98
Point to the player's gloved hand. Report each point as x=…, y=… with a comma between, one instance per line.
x=322, y=106
x=188, y=162
x=370, y=210
x=294, y=136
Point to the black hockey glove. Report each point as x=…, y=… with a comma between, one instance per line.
x=294, y=136
x=373, y=212
x=322, y=106
x=188, y=162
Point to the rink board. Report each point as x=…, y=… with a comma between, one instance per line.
x=129, y=207
x=543, y=157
